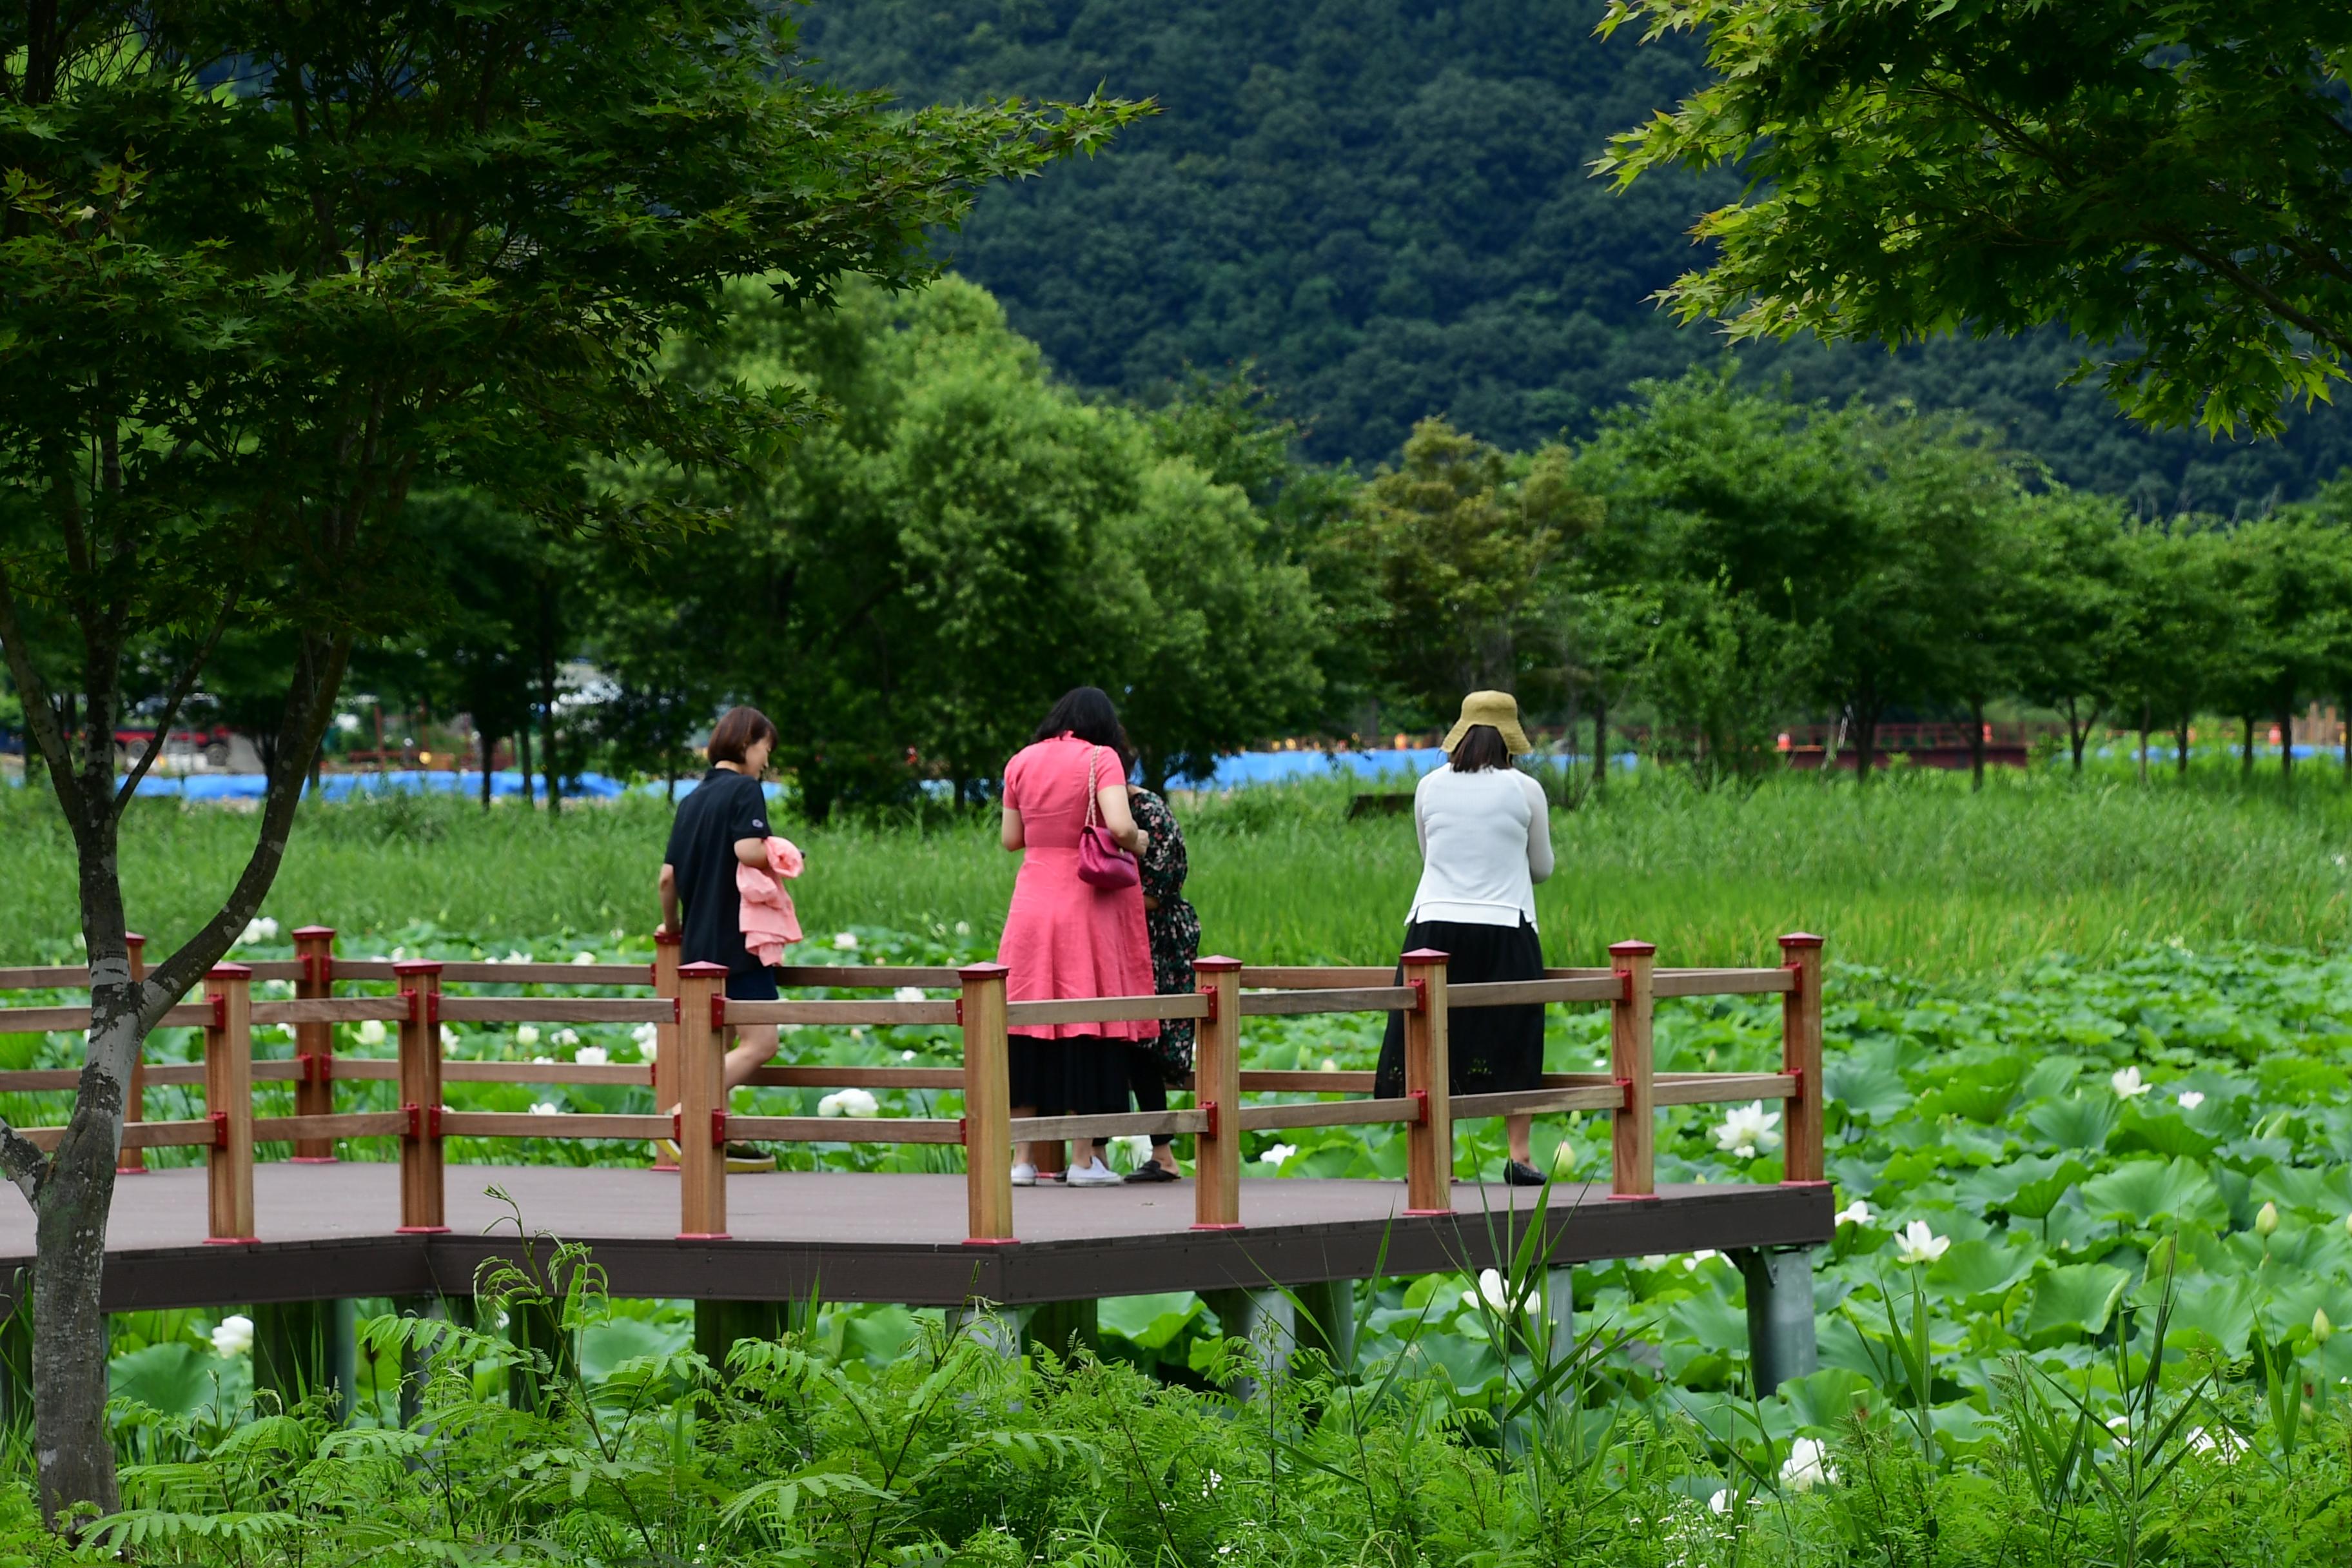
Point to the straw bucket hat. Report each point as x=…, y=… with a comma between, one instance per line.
x=1499, y=708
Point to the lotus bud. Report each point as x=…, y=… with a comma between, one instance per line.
x=2321, y=1328
x=2266, y=1222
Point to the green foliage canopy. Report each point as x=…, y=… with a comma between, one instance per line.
x=2166, y=177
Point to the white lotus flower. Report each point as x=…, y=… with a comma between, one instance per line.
x=2188, y=1098
x=1917, y=1243
x=544, y=1107
x=1854, y=1213
x=845, y=942
x=1808, y=1465
x=963, y=928
x=908, y=993
x=592, y=1056
x=1490, y=1286
x=514, y=955
x=2127, y=1083
x=1277, y=1154
x=1330, y=1064
x=848, y=1102
x=372, y=1032
x=542, y=1061
x=567, y=1036
x=1721, y=1502
x=1746, y=1129
x=260, y=927
x=647, y=1036
x=1563, y=1157
x=234, y=1336
x=2266, y=1220
x=449, y=1038
x=584, y=958
x=1654, y=1260
x=526, y=1035
x=2223, y=1445
x=1690, y=1264
x=906, y=1056
x=287, y=1030
x=1138, y=1146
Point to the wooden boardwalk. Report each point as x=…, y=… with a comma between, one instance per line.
x=328, y=1230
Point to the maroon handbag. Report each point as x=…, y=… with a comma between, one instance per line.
x=1101, y=862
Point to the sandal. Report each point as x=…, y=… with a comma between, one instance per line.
x=1153, y=1170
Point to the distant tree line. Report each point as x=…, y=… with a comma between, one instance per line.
x=964, y=538
x=1390, y=205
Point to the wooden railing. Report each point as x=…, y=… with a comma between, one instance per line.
x=691, y=1016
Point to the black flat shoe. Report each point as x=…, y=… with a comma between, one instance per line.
x=1518, y=1174
x=1152, y=1171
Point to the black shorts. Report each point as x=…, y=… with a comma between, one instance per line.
x=751, y=986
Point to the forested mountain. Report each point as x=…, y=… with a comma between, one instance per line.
x=1384, y=203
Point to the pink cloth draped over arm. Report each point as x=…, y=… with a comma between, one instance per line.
x=769, y=925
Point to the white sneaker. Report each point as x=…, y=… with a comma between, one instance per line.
x=1025, y=1175
x=1095, y=1175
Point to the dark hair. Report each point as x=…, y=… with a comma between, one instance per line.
x=1480, y=748
x=1087, y=712
x=737, y=732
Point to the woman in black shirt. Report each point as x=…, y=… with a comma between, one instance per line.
x=721, y=825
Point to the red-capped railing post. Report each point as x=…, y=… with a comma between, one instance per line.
x=699, y=1075
x=228, y=1102
x=1217, y=1091
x=131, y=1161
x=987, y=1106
x=314, y=1044
x=666, y=949
x=1429, y=1078
x=1633, y=1128
x=421, y=1200
x=1801, y=1059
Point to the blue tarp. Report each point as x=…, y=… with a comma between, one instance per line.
x=342, y=786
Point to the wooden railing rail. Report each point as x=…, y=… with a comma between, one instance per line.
x=690, y=1017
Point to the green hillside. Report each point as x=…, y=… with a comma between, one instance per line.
x=1384, y=204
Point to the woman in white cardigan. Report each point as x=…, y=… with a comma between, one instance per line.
x=1485, y=842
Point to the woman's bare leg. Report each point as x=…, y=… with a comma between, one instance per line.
x=1517, y=1131
x=755, y=1044
x=1028, y=1154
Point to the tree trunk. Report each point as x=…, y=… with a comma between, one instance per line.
x=1600, y=744
x=489, y=756
x=2078, y=731
x=1865, y=740
x=1976, y=743
x=2246, y=748
x=73, y=1447
x=2286, y=744
x=2181, y=747
x=522, y=759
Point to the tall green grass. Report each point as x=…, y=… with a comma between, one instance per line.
x=1913, y=872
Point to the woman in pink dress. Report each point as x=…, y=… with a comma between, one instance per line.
x=1067, y=938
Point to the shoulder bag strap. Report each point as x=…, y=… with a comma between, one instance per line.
x=1094, y=760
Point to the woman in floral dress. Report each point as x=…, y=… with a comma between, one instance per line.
x=1153, y=1066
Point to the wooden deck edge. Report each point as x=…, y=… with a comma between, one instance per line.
x=1683, y=1220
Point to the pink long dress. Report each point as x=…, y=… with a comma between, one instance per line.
x=1062, y=936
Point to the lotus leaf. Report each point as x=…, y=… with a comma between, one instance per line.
x=2073, y=1301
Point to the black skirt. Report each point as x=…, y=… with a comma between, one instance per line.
x=1078, y=1075
x=1491, y=1050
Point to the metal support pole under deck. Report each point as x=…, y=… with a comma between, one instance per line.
x=1780, y=1333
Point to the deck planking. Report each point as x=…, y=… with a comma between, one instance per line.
x=327, y=1230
